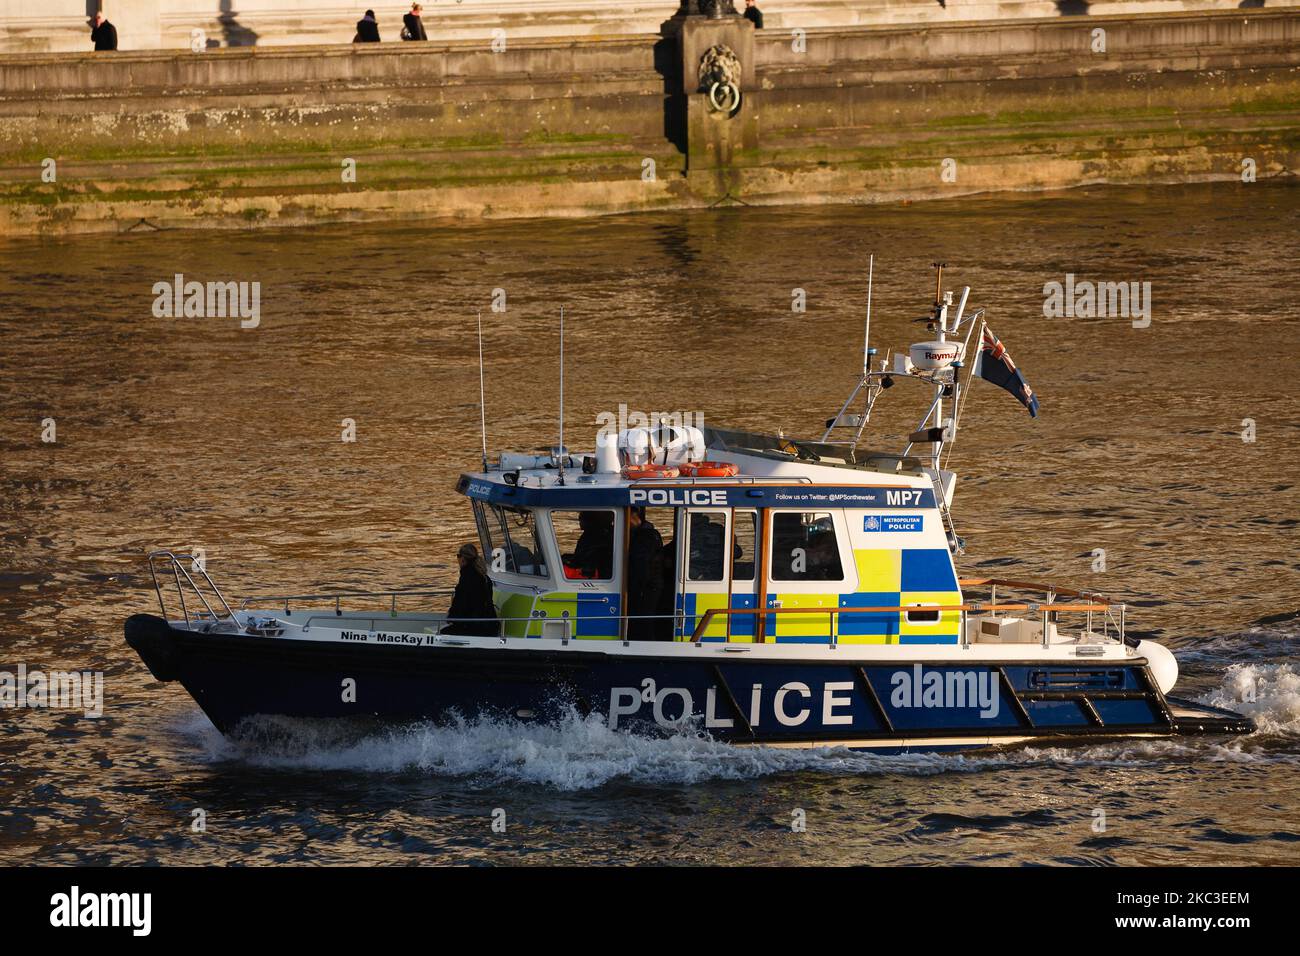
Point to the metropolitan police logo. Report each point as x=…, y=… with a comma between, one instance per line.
x=872, y=523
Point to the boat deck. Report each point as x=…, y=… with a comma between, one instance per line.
x=1191, y=718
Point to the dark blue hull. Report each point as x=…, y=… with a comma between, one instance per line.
x=894, y=706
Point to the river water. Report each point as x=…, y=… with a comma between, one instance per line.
x=195, y=433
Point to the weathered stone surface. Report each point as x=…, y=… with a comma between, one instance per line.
x=581, y=126
x=60, y=25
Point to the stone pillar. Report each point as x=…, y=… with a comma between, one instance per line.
x=713, y=136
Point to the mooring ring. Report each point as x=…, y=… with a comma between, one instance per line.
x=734, y=97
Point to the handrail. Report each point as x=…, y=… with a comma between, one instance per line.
x=331, y=595
x=1046, y=609
x=1032, y=586
x=338, y=596
x=829, y=611
x=444, y=620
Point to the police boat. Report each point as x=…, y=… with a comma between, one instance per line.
x=689, y=579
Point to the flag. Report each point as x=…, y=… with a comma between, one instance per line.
x=995, y=365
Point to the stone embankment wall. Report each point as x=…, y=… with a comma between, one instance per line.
x=584, y=126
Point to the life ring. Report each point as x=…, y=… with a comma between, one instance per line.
x=636, y=472
x=710, y=469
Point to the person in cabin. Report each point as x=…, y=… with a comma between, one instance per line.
x=367, y=29
x=644, y=577
x=593, y=555
x=412, y=25
x=103, y=34
x=823, y=557
x=753, y=14
x=472, y=610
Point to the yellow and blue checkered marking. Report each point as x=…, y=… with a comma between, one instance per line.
x=693, y=607
x=595, y=614
x=888, y=578
x=815, y=627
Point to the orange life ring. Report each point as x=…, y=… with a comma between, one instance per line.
x=636, y=472
x=710, y=469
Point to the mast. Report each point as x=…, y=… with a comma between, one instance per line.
x=941, y=318
x=866, y=336
x=482, y=402
x=561, y=456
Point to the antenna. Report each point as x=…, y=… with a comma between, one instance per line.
x=561, y=461
x=961, y=308
x=482, y=404
x=866, y=337
x=941, y=321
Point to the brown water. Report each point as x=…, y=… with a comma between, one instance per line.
x=193, y=433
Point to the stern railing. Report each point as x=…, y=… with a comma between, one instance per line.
x=1113, y=614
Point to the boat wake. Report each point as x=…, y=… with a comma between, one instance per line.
x=574, y=753
x=1269, y=693
x=581, y=753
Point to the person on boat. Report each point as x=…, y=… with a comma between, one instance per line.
x=823, y=558
x=471, y=609
x=644, y=578
x=593, y=555
x=367, y=29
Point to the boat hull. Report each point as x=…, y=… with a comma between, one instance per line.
x=960, y=703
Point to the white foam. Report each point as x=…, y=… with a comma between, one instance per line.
x=579, y=753
x=1268, y=693
x=574, y=754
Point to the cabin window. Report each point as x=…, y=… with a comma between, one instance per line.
x=586, y=543
x=510, y=537
x=922, y=617
x=744, y=547
x=804, y=547
x=708, y=536
x=664, y=520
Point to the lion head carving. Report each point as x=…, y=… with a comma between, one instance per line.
x=719, y=65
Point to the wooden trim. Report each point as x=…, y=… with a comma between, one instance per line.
x=760, y=576
x=622, y=594
x=728, y=560
x=1032, y=586
x=681, y=538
